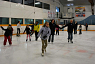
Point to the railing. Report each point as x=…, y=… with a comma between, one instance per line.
x=83, y=22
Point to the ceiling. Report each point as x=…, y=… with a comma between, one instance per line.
x=75, y=2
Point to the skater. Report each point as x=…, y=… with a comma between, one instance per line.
x=36, y=30
x=32, y=29
x=45, y=33
x=80, y=28
x=57, y=30
x=70, y=30
x=11, y=31
x=18, y=28
x=7, y=35
x=75, y=27
x=27, y=29
x=86, y=26
x=52, y=28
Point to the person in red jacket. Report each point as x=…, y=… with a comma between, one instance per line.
x=7, y=35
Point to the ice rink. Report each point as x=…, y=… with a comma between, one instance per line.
x=82, y=51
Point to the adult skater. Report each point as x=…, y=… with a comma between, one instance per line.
x=18, y=28
x=75, y=27
x=7, y=35
x=86, y=26
x=27, y=30
x=52, y=27
x=80, y=28
x=45, y=33
x=32, y=29
x=36, y=30
x=70, y=30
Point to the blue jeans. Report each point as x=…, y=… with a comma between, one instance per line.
x=70, y=36
x=11, y=36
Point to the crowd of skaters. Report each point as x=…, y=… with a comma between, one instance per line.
x=47, y=32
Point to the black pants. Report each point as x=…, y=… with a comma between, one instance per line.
x=18, y=31
x=86, y=28
x=51, y=39
x=57, y=32
x=75, y=31
x=36, y=33
x=80, y=32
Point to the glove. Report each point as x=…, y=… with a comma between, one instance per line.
x=44, y=37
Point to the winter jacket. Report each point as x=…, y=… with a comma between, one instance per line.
x=36, y=28
x=27, y=30
x=52, y=27
x=7, y=32
x=80, y=27
x=44, y=32
x=18, y=25
x=75, y=26
x=32, y=27
x=70, y=27
x=11, y=31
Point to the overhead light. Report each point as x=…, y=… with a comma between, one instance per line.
x=70, y=4
x=37, y=3
x=70, y=0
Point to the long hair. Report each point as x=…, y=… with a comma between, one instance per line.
x=45, y=24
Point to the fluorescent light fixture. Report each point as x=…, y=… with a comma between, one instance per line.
x=68, y=4
x=37, y=3
x=72, y=4
x=70, y=0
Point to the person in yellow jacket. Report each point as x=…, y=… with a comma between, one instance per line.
x=36, y=30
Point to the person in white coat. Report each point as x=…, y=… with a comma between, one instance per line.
x=18, y=28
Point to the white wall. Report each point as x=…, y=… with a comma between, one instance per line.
x=88, y=11
x=8, y=9
x=14, y=10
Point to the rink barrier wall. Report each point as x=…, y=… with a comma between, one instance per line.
x=90, y=28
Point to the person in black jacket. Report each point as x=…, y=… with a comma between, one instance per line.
x=52, y=27
x=70, y=30
x=32, y=29
x=75, y=27
x=80, y=28
x=7, y=35
x=27, y=29
x=86, y=26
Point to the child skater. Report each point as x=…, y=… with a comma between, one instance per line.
x=80, y=28
x=27, y=29
x=57, y=30
x=45, y=33
x=7, y=35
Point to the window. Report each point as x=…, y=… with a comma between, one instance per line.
x=57, y=9
x=46, y=6
x=38, y=4
x=15, y=20
x=29, y=2
x=29, y=21
x=39, y=20
x=46, y=20
x=17, y=1
x=4, y=20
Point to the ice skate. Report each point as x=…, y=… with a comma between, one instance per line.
x=26, y=40
x=42, y=54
